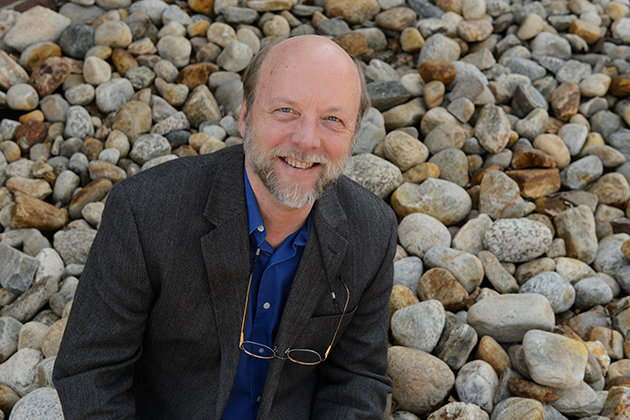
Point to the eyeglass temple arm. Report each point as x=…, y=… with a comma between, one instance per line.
x=249, y=283
x=342, y=314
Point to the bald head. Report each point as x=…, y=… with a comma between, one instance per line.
x=314, y=53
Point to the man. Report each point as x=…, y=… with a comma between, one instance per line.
x=243, y=285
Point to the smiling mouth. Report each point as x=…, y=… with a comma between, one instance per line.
x=298, y=163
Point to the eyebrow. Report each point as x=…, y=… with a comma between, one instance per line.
x=291, y=102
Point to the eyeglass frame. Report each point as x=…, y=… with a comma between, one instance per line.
x=274, y=350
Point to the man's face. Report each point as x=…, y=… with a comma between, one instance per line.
x=299, y=130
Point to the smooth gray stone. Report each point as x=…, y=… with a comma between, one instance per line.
x=333, y=27
x=526, y=67
x=74, y=245
x=425, y=8
x=387, y=94
x=554, y=287
x=420, y=325
x=606, y=123
x=526, y=99
x=31, y=302
x=41, y=404
x=507, y=318
x=78, y=123
x=20, y=373
x=610, y=258
x=408, y=272
x=476, y=383
x=453, y=166
x=372, y=132
x=456, y=342
x=149, y=146
x=592, y=291
x=419, y=232
x=45, y=371
x=581, y=172
x=374, y=173
x=9, y=337
x=18, y=269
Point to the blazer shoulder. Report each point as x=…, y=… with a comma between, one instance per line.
x=362, y=204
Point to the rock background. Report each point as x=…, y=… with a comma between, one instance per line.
x=498, y=134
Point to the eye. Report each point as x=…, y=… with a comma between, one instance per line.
x=285, y=110
x=331, y=118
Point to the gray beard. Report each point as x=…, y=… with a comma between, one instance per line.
x=294, y=195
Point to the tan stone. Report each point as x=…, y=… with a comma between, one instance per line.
x=92, y=192
x=194, y=75
x=37, y=188
x=565, y=100
x=411, y=40
x=8, y=398
x=524, y=157
x=532, y=25
x=490, y=351
x=421, y=172
x=123, y=61
x=99, y=169
x=38, y=54
x=49, y=75
x=434, y=93
x=440, y=284
x=553, y=145
x=202, y=6
x=91, y=148
x=36, y=115
x=355, y=12
x=625, y=248
x=620, y=86
x=585, y=29
x=438, y=69
x=401, y=297
x=52, y=339
x=353, y=43
x=536, y=183
x=474, y=30
x=30, y=212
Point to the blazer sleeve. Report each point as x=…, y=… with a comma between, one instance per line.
x=353, y=382
x=93, y=371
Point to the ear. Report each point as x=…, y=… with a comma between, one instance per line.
x=242, y=118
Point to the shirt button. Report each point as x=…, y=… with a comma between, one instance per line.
x=261, y=350
x=267, y=305
x=260, y=228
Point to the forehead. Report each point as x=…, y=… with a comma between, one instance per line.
x=309, y=70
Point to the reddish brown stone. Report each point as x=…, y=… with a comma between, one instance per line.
x=491, y=352
x=565, y=100
x=30, y=212
x=621, y=225
x=557, y=203
x=477, y=176
x=620, y=86
x=438, y=69
x=536, y=183
x=526, y=389
x=185, y=150
x=194, y=75
x=625, y=248
x=353, y=43
x=123, y=61
x=49, y=75
x=525, y=157
x=440, y=284
x=91, y=148
x=617, y=405
x=29, y=134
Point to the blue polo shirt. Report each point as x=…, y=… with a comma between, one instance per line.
x=271, y=282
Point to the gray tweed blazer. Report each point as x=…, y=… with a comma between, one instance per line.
x=154, y=328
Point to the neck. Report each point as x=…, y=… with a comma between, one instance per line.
x=280, y=220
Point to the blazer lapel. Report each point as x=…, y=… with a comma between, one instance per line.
x=325, y=250
x=226, y=256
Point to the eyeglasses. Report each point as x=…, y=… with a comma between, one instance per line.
x=301, y=356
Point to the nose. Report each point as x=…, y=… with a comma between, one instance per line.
x=306, y=134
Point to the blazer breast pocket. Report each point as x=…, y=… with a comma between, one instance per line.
x=319, y=331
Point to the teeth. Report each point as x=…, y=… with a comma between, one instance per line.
x=298, y=164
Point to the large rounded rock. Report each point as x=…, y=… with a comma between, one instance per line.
x=517, y=240
x=466, y=267
x=419, y=232
x=476, y=383
x=554, y=287
x=421, y=381
x=507, y=318
x=41, y=404
x=374, y=173
x=419, y=326
x=446, y=201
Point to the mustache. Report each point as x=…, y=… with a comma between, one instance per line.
x=301, y=156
